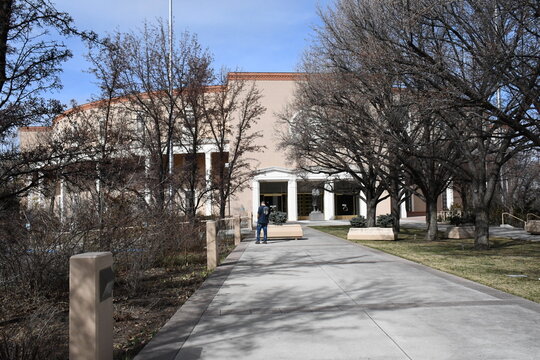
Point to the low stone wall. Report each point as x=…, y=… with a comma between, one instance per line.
x=533, y=227
x=371, y=233
x=459, y=232
x=293, y=231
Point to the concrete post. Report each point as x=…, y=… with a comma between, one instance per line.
x=91, y=281
x=212, y=255
x=237, y=231
x=292, y=201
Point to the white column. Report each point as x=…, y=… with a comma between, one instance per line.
x=147, y=197
x=403, y=207
x=292, y=205
x=362, y=205
x=329, y=202
x=256, y=195
x=208, y=172
x=62, y=200
x=40, y=187
x=449, y=196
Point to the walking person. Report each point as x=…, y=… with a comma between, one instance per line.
x=263, y=215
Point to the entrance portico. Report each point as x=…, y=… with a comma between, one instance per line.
x=275, y=179
x=280, y=188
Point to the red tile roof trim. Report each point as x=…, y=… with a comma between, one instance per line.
x=120, y=99
x=35, y=128
x=260, y=76
x=267, y=76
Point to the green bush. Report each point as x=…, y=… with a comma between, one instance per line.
x=386, y=220
x=458, y=220
x=358, y=222
x=278, y=217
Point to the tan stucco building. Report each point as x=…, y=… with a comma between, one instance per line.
x=276, y=179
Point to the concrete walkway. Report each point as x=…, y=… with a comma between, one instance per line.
x=325, y=298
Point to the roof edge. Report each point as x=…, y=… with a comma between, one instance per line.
x=267, y=76
x=35, y=128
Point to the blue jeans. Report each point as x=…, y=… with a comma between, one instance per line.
x=265, y=231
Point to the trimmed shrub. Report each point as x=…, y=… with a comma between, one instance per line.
x=386, y=220
x=278, y=217
x=464, y=219
x=358, y=222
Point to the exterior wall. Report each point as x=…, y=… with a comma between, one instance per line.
x=276, y=90
x=32, y=136
x=419, y=206
x=384, y=207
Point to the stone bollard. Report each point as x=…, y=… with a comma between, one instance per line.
x=91, y=280
x=237, y=230
x=212, y=255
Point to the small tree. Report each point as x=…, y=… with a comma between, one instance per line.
x=231, y=114
x=30, y=61
x=170, y=103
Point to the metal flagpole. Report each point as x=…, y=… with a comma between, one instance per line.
x=171, y=157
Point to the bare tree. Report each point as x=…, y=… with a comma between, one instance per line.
x=329, y=132
x=170, y=103
x=29, y=64
x=457, y=52
x=112, y=133
x=520, y=184
x=231, y=114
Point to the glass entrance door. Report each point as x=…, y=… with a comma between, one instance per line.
x=275, y=195
x=346, y=204
x=276, y=202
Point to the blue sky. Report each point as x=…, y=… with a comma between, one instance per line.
x=251, y=35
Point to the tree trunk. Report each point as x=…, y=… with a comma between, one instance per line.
x=431, y=220
x=481, y=228
x=371, y=213
x=395, y=211
x=481, y=217
x=222, y=205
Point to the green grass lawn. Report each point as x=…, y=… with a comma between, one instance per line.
x=459, y=257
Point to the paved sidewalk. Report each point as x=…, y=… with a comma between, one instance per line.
x=325, y=298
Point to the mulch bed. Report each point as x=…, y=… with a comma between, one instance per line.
x=138, y=314
x=162, y=292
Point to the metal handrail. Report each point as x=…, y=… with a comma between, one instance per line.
x=446, y=214
x=534, y=215
x=515, y=217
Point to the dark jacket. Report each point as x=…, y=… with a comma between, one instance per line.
x=263, y=215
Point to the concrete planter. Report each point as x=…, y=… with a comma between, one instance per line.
x=293, y=231
x=460, y=232
x=533, y=227
x=371, y=233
